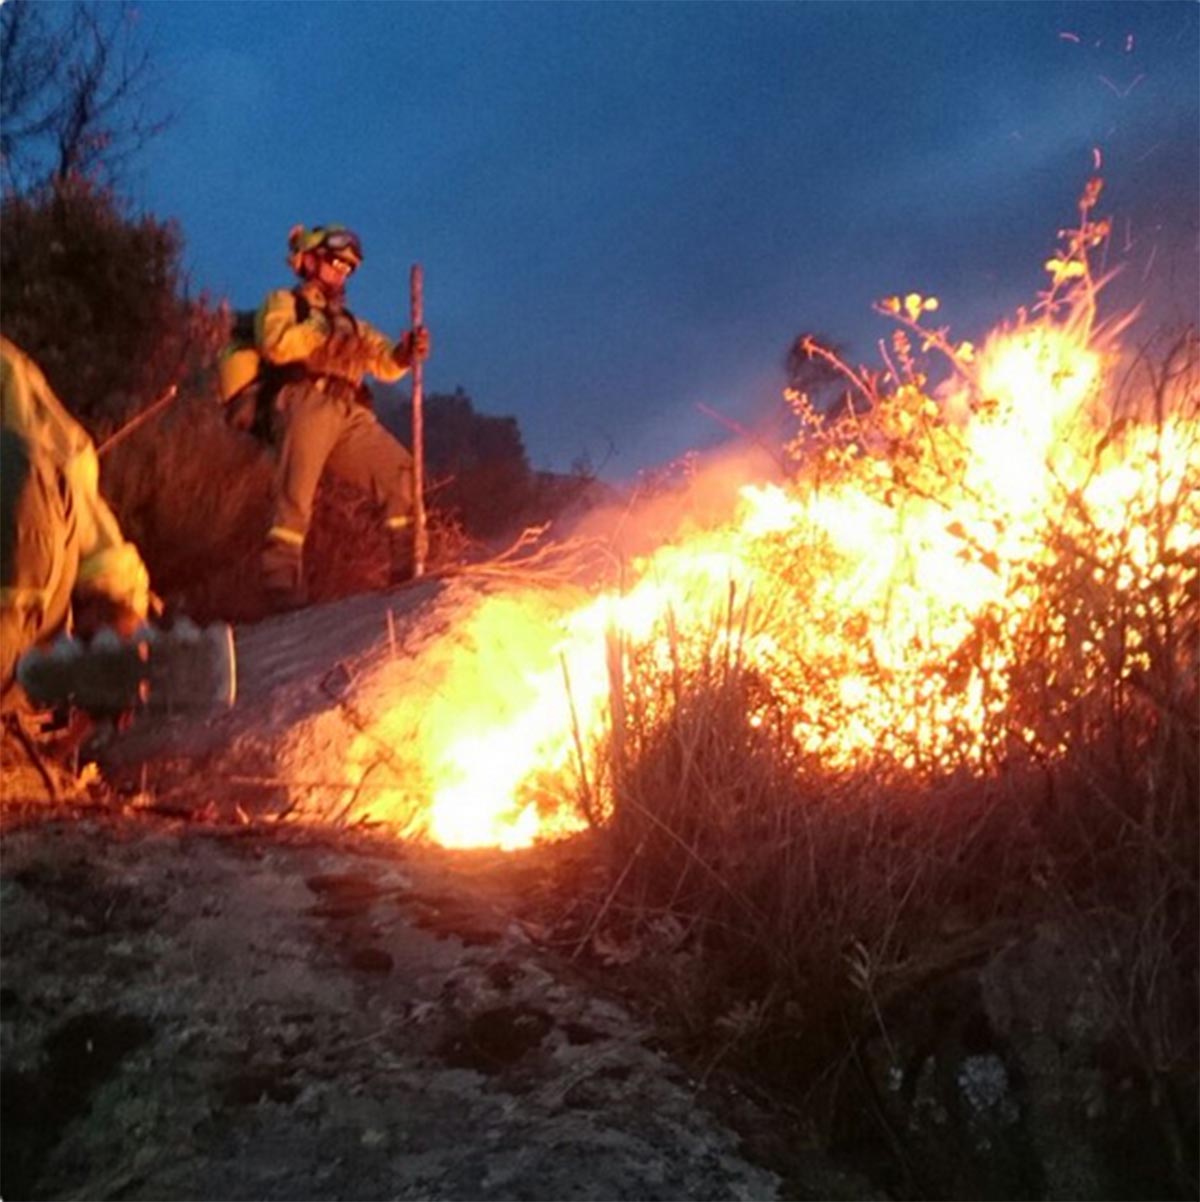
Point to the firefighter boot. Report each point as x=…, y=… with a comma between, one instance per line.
x=403, y=551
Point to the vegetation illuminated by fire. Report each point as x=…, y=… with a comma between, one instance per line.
x=886, y=600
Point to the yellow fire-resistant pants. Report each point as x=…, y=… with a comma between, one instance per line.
x=318, y=424
x=39, y=551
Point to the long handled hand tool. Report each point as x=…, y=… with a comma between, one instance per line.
x=420, y=539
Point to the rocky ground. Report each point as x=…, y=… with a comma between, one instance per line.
x=205, y=997
x=194, y=1012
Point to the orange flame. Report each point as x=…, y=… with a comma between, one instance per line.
x=903, y=558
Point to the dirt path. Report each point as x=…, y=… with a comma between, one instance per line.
x=207, y=1015
x=192, y=1009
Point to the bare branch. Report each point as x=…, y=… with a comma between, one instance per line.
x=73, y=92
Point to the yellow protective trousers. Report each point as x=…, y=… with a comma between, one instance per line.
x=317, y=425
x=39, y=551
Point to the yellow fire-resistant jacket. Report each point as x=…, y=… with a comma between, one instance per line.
x=108, y=564
x=326, y=342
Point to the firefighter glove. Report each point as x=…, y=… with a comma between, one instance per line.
x=413, y=345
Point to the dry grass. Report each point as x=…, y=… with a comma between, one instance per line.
x=777, y=910
x=195, y=498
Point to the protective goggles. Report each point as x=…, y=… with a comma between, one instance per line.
x=344, y=245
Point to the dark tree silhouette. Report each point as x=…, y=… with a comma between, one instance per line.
x=97, y=296
x=478, y=469
x=76, y=87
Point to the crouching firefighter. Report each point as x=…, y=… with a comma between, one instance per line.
x=63, y=557
x=320, y=416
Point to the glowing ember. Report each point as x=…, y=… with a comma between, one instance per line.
x=872, y=594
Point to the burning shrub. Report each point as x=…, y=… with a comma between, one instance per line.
x=938, y=690
x=949, y=587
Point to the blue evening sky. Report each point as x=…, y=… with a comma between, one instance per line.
x=625, y=211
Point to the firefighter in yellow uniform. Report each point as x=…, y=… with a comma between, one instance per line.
x=60, y=544
x=321, y=415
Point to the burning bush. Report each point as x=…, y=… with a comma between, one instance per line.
x=934, y=691
x=966, y=581
x=942, y=688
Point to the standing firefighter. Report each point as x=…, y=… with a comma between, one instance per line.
x=322, y=413
x=60, y=545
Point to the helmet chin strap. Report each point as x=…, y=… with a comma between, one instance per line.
x=334, y=292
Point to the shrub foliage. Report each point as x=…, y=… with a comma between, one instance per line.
x=97, y=297
x=783, y=898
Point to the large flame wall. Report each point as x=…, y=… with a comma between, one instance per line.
x=880, y=594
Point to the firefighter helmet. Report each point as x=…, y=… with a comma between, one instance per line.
x=333, y=241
